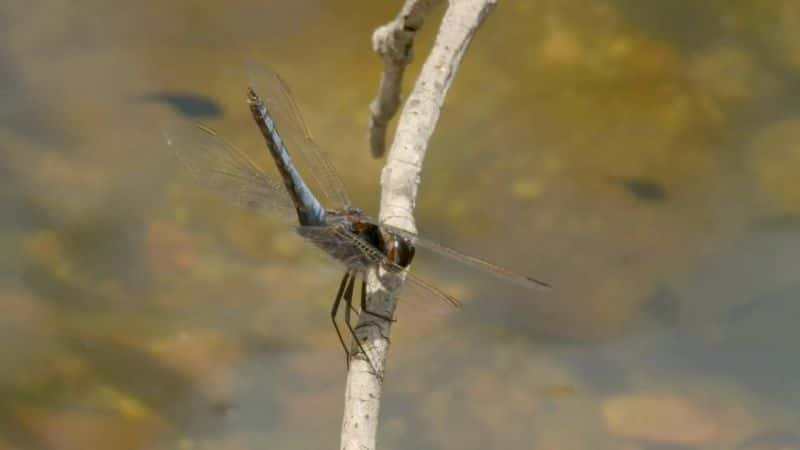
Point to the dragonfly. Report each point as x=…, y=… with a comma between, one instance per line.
x=343, y=231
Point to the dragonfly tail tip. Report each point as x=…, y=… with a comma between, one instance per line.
x=252, y=96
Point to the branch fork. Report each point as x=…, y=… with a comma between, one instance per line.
x=400, y=179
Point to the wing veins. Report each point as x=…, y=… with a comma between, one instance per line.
x=376, y=256
x=492, y=268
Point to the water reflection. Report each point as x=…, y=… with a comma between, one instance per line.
x=643, y=154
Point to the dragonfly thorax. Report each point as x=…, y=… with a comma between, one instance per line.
x=355, y=240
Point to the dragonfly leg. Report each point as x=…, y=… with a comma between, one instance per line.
x=364, y=305
x=348, y=298
x=335, y=311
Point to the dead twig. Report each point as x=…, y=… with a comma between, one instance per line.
x=399, y=183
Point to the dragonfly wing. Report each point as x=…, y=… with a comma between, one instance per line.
x=494, y=269
x=432, y=290
x=292, y=127
x=343, y=250
x=219, y=165
x=357, y=254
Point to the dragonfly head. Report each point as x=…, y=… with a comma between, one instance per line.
x=400, y=249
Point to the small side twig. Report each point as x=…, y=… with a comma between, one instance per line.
x=394, y=42
x=399, y=183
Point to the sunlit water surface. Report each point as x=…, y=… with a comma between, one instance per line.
x=642, y=156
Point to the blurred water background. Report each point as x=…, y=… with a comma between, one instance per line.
x=640, y=155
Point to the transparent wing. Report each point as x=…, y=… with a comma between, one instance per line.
x=357, y=254
x=433, y=290
x=219, y=165
x=343, y=250
x=486, y=266
x=295, y=133
x=377, y=257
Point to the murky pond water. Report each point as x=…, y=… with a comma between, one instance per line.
x=641, y=156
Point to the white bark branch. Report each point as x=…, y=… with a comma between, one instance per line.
x=399, y=182
x=394, y=42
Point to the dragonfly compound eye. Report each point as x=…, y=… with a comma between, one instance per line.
x=405, y=251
